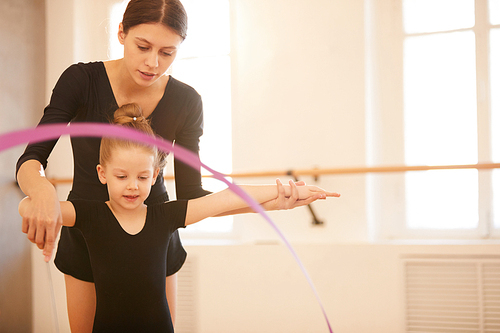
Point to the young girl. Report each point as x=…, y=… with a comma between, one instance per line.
x=128, y=240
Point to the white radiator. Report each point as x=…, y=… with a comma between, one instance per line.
x=186, y=316
x=452, y=294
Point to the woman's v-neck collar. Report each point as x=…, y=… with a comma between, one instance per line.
x=112, y=93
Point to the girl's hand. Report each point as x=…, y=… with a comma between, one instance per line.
x=314, y=192
x=42, y=221
x=295, y=195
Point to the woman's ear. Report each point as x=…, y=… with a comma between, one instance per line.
x=121, y=34
x=157, y=171
x=101, y=174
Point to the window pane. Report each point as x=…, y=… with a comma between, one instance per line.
x=208, y=28
x=437, y=15
x=494, y=10
x=115, y=49
x=440, y=99
x=216, y=95
x=442, y=199
x=495, y=88
x=211, y=78
x=495, y=116
x=496, y=198
x=440, y=128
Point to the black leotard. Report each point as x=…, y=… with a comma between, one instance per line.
x=129, y=270
x=83, y=94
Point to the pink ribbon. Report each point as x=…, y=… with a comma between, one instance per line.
x=51, y=132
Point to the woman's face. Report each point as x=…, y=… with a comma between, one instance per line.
x=149, y=50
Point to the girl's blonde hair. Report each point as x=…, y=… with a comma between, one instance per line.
x=130, y=115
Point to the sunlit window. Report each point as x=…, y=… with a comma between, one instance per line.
x=441, y=113
x=203, y=62
x=495, y=109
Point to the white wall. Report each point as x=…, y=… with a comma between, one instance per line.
x=21, y=93
x=299, y=101
x=259, y=288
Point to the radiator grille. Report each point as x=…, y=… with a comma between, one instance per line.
x=491, y=297
x=186, y=316
x=450, y=295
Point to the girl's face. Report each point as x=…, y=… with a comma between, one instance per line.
x=149, y=50
x=129, y=175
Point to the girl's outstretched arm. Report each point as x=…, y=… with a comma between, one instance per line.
x=67, y=211
x=226, y=202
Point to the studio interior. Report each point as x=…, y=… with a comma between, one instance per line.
x=394, y=104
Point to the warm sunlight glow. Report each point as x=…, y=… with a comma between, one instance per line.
x=440, y=119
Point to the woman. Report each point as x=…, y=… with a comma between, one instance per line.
x=151, y=33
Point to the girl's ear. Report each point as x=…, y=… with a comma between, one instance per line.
x=157, y=171
x=121, y=34
x=101, y=174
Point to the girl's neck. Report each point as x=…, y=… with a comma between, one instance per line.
x=131, y=220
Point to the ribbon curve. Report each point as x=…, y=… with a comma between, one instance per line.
x=54, y=131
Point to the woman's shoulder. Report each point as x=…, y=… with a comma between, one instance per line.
x=181, y=88
x=82, y=71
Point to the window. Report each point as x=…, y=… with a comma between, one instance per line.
x=440, y=115
x=494, y=44
x=449, y=53
x=202, y=62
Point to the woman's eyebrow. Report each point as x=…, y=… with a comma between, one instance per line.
x=144, y=40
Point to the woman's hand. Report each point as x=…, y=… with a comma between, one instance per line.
x=42, y=220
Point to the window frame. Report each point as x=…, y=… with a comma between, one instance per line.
x=385, y=114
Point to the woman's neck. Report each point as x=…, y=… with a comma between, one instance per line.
x=126, y=90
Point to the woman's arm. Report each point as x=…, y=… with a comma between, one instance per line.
x=42, y=219
x=227, y=202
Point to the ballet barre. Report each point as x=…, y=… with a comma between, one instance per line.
x=316, y=172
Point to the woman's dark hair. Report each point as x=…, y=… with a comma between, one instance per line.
x=170, y=13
